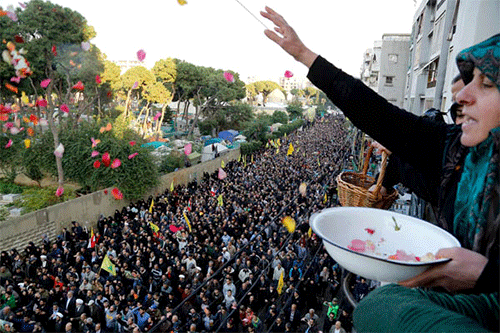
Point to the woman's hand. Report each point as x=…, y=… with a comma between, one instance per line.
x=461, y=273
x=290, y=42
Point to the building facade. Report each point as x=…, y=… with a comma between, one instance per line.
x=385, y=65
x=441, y=29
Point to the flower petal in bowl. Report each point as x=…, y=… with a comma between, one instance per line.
x=387, y=232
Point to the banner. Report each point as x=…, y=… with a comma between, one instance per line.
x=108, y=266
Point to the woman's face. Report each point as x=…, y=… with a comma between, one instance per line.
x=481, y=101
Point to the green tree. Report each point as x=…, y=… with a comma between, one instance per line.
x=279, y=117
x=295, y=110
x=309, y=93
x=165, y=71
x=258, y=128
x=264, y=88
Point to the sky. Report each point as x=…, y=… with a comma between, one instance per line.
x=221, y=34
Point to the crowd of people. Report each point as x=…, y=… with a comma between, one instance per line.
x=220, y=271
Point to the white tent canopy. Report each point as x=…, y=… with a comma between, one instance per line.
x=208, y=154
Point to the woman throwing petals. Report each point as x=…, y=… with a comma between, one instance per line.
x=463, y=160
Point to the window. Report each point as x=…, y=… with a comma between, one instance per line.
x=388, y=80
x=393, y=58
x=432, y=76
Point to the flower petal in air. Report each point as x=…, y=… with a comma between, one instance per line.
x=8, y=143
x=95, y=142
x=131, y=156
x=60, y=191
x=42, y=103
x=11, y=88
x=117, y=194
x=59, y=150
x=22, y=4
x=12, y=16
x=229, y=77
x=30, y=131
x=45, y=83
x=27, y=143
x=64, y=108
x=8, y=125
x=85, y=46
x=116, y=163
x=288, y=74
x=141, y=55
x=94, y=153
x=15, y=79
x=79, y=86
x=106, y=160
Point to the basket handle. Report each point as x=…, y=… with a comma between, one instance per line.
x=383, y=166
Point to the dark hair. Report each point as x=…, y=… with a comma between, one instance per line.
x=434, y=115
x=456, y=79
x=453, y=111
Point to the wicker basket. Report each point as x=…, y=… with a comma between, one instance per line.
x=353, y=187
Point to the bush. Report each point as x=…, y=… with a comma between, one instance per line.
x=4, y=213
x=173, y=161
x=247, y=148
x=7, y=187
x=38, y=198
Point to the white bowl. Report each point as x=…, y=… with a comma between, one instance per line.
x=339, y=226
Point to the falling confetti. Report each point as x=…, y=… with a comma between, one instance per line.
x=288, y=74
x=370, y=231
x=94, y=154
x=289, y=223
x=79, y=86
x=11, y=88
x=182, y=2
x=229, y=77
x=30, y=131
x=117, y=194
x=45, y=83
x=15, y=79
x=116, y=163
x=95, y=142
x=141, y=55
x=303, y=189
x=64, y=108
x=157, y=116
x=34, y=119
x=131, y=156
x=106, y=160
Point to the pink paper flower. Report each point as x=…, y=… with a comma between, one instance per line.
x=94, y=154
x=22, y=4
x=229, y=77
x=64, y=108
x=14, y=130
x=97, y=79
x=12, y=16
x=288, y=74
x=8, y=125
x=59, y=151
x=42, y=103
x=60, y=191
x=157, y=116
x=106, y=160
x=97, y=164
x=8, y=143
x=85, y=46
x=116, y=163
x=131, y=156
x=141, y=55
x=45, y=83
x=117, y=194
x=135, y=85
x=132, y=143
x=15, y=79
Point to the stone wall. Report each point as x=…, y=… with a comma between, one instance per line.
x=18, y=231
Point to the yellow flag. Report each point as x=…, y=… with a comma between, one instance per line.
x=277, y=151
x=108, y=266
x=154, y=227
x=278, y=142
x=309, y=232
x=325, y=199
x=24, y=98
x=284, y=135
x=222, y=165
x=187, y=221
x=151, y=206
x=219, y=200
x=267, y=145
x=172, y=186
x=319, y=164
x=27, y=143
x=252, y=158
x=290, y=150
x=245, y=160
x=239, y=157
x=280, y=284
